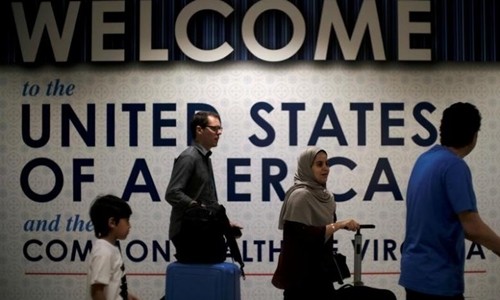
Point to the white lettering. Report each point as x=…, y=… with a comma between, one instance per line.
x=181, y=32
x=367, y=25
x=146, y=52
x=45, y=19
x=406, y=28
x=100, y=28
x=367, y=19
x=273, y=55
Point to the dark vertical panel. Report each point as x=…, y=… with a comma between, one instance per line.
x=7, y=48
x=388, y=12
x=440, y=29
x=489, y=29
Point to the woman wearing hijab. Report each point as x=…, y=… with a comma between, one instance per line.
x=307, y=219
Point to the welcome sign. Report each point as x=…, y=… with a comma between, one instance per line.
x=97, y=97
x=266, y=30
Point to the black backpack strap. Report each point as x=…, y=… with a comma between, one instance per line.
x=231, y=240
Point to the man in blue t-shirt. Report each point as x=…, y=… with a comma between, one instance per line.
x=442, y=212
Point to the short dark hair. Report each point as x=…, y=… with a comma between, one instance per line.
x=460, y=122
x=201, y=119
x=105, y=207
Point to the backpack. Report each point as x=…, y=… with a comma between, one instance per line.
x=205, y=236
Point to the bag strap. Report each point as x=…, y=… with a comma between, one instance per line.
x=231, y=240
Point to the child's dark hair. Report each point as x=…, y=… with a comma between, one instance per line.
x=105, y=207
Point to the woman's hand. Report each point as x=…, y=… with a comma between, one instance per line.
x=348, y=224
x=132, y=297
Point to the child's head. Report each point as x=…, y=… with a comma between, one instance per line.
x=106, y=212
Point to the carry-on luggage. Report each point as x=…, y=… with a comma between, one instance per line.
x=357, y=290
x=358, y=238
x=203, y=281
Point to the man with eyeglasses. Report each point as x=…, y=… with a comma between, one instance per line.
x=192, y=180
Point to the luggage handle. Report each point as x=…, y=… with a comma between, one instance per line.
x=365, y=226
x=357, y=253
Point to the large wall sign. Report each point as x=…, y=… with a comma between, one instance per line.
x=266, y=30
x=96, y=98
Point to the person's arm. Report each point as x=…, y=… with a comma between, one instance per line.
x=478, y=232
x=181, y=173
x=305, y=234
x=348, y=224
x=97, y=291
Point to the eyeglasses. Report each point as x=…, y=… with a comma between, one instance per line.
x=215, y=128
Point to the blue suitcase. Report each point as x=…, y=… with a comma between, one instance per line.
x=203, y=281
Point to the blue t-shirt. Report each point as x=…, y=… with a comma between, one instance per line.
x=433, y=252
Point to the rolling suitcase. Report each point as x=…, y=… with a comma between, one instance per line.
x=203, y=281
x=358, y=238
x=357, y=290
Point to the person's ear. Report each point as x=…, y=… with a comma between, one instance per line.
x=112, y=222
